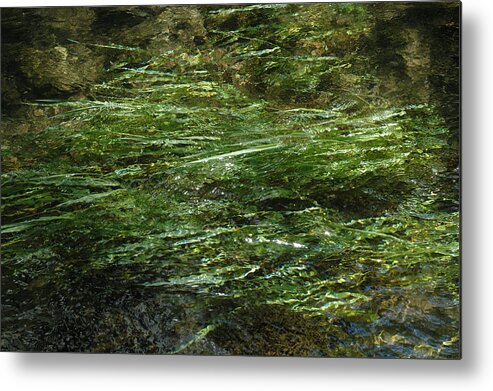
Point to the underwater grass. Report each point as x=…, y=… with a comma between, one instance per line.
x=174, y=190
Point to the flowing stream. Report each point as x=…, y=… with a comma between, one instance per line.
x=171, y=212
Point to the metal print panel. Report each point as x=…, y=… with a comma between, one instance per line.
x=266, y=179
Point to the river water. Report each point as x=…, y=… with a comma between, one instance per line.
x=171, y=212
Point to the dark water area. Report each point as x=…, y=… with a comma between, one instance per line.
x=277, y=180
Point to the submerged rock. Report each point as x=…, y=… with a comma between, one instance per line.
x=59, y=70
x=60, y=52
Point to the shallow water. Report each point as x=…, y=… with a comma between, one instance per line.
x=174, y=213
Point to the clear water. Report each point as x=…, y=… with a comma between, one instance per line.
x=171, y=212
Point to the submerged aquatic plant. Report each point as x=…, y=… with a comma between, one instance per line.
x=173, y=209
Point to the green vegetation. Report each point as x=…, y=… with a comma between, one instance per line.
x=258, y=193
